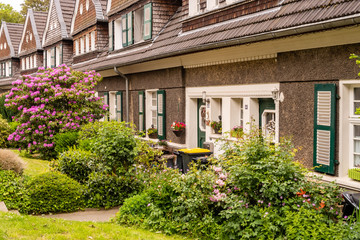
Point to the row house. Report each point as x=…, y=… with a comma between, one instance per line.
x=30, y=48
x=57, y=39
x=10, y=35
x=279, y=65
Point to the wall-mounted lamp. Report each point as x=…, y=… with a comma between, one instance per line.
x=204, y=97
x=275, y=94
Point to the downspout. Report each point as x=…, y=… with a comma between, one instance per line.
x=126, y=92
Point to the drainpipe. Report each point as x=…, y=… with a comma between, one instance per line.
x=126, y=92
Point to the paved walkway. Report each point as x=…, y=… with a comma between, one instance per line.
x=89, y=214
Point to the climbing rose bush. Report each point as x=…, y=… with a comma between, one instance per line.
x=55, y=100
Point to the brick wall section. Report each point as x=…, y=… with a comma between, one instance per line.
x=30, y=45
x=86, y=19
x=118, y=5
x=4, y=53
x=229, y=13
x=102, y=36
x=67, y=52
x=53, y=35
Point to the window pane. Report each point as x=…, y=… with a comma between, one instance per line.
x=357, y=146
x=356, y=93
x=356, y=105
x=356, y=160
x=357, y=131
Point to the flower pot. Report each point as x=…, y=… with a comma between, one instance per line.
x=354, y=173
x=153, y=135
x=217, y=130
x=178, y=133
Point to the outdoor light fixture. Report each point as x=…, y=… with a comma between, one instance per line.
x=204, y=97
x=275, y=94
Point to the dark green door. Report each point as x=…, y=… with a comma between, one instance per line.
x=201, y=117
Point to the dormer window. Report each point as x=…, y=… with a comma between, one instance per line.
x=132, y=27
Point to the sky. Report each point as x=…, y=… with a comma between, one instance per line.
x=14, y=3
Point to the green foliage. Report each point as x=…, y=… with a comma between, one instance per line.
x=8, y=14
x=11, y=189
x=63, y=141
x=75, y=163
x=4, y=132
x=36, y=5
x=114, y=143
x=105, y=190
x=52, y=192
x=5, y=112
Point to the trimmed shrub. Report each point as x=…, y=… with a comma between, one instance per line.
x=11, y=189
x=75, y=163
x=4, y=132
x=104, y=190
x=53, y=192
x=63, y=141
x=11, y=161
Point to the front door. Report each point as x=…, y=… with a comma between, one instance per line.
x=201, y=117
x=267, y=116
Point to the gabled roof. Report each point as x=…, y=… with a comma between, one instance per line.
x=12, y=33
x=290, y=17
x=100, y=9
x=37, y=21
x=64, y=10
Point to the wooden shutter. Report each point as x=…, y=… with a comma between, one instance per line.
x=119, y=107
x=106, y=101
x=324, y=128
x=61, y=54
x=124, y=30
x=161, y=123
x=147, y=21
x=45, y=59
x=141, y=126
x=130, y=28
x=111, y=36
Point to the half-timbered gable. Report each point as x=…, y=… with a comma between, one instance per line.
x=57, y=41
x=30, y=49
x=10, y=35
x=89, y=29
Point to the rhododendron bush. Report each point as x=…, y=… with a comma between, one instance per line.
x=55, y=100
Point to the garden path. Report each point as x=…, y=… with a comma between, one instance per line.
x=89, y=214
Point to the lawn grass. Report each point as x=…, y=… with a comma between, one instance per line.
x=14, y=226
x=34, y=166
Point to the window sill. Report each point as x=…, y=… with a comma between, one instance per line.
x=135, y=45
x=344, y=182
x=170, y=144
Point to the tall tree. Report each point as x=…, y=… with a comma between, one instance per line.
x=37, y=5
x=8, y=14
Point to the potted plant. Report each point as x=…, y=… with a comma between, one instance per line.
x=216, y=126
x=237, y=131
x=178, y=128
x=152, y=132
x=354, y=173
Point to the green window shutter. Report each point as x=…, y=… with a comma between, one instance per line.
x=141, y=111
x=111, y=36
x=61, y=54
x=106, y=101
x=119, y=107
x=161, y=106
x=124, y=30
x=324, y=128
x=45, y=59
x=53, y=57
x=148, y=21
x=130, y=28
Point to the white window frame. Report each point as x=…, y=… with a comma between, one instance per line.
x=118, y=34
x=76, y=47
x=57, y=57
x=23, y=64
x=82, y=47
x=150, y=108
x=27, y=63
x=35, y=61
x=212, y=4
x=87, y=43
x=138, y=25
x=194, y=7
